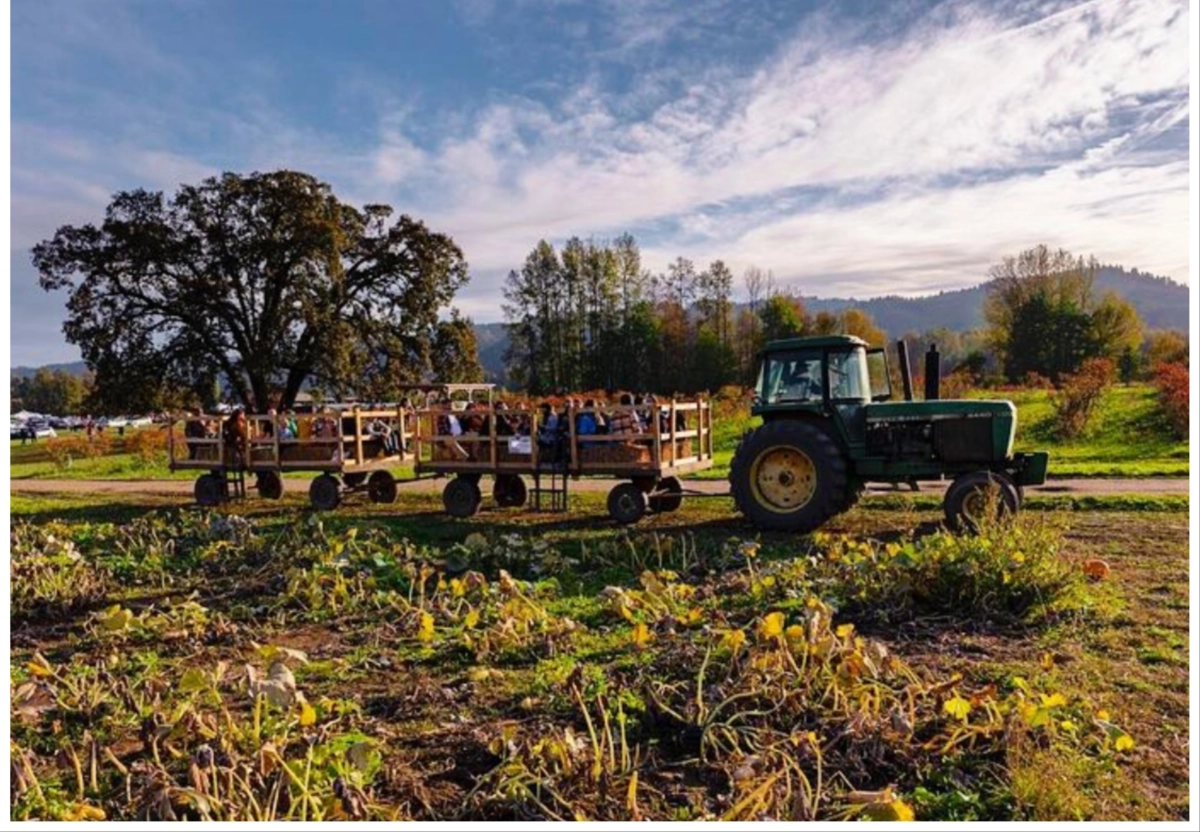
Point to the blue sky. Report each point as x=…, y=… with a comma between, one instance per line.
x=853, y=148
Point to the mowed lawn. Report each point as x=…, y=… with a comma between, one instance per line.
x=590, y=711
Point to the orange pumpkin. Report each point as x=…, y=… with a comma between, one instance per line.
x=1096, y=569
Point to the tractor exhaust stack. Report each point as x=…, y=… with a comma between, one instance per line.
x=933, y=373
x=905, y=369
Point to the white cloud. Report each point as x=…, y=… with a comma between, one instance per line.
x=966, y=136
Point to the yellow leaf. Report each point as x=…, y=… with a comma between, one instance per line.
x=794, y=632
x=734, y=639
x=844, y=630
x=893, y=810
x=471, y=621
x=957, y=707
x=115, y=618
x=39, y=667
x=193, y=680
x=640, y=636
x=1068, y=725
x=1124, y=743
x=1103, y=715
x=426, y=631
x=1056, y=700
x=457, y=587
x=308, y=715
x=1047, y=661
x=771, y=626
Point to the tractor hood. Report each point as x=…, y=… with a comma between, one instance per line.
x=951, y=416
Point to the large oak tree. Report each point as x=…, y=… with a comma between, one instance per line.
x=266, y=280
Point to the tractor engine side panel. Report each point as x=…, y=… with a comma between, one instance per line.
x=963, y=440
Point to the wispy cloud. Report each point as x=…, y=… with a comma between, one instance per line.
x=899, y=152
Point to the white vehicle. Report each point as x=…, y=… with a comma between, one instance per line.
x=118, y=422
x=138, y=421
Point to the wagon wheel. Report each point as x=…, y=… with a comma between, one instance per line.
x=209, y=490
x=381, y=487
x=325, y=493
x=461, y=497
x=269, y=485
x=509, y=491
x=627, y=503
x=668, y=497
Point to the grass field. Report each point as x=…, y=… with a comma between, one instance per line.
x=519, y=666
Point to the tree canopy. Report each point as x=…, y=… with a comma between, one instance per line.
x=1044, y=315
x=265, y=281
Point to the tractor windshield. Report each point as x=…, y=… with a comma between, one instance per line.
x=793, y=376
x=848, y=376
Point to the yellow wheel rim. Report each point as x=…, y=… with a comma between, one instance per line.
x=783, y=479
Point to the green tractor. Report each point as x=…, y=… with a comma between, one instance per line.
x=830, y=427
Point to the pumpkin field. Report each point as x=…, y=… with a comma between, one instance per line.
x=267, y=663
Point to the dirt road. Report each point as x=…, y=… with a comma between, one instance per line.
x=1146, y=486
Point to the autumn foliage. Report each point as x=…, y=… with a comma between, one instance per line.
x=1172, y=382
x=1076, y=401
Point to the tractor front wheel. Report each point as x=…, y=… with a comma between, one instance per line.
x=974, y=498
x=788, y=476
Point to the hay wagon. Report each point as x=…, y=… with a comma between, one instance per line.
x=511, y=445
x=350, y=448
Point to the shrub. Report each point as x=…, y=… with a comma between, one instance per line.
x=65, y=450
x=149, y=446
x=1005, y=572
x=1076, y=401
x=1034, y=380
x=1172, y=382
x=957, y=384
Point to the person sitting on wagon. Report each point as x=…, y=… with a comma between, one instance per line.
x=448, y=425
x=236, y=434
x=504, y=423
x=624, y=422
x=193, y=428
x=382, y=431
x=585, y=423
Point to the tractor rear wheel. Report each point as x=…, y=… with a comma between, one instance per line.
x=971, y=498
x=788, y=475
x=325, y=493
x=509, y=491
x=269, y=485
x=381, y=487
x=461, y=497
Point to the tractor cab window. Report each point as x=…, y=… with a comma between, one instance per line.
x=789, y=377
x=848, y=378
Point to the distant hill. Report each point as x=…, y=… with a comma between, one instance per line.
x=1162, y=304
